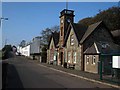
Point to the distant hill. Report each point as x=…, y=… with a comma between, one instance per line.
x=111, y=18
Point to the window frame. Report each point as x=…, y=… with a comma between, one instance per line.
x=93, y=60
x=87, y=59
x=75, y=57
x=72, y=40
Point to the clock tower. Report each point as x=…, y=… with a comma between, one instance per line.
x=66, y=16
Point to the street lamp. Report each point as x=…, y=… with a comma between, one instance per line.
x=2, y=18
x=40, y=48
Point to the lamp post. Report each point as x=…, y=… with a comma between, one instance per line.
x=40, y=49
x=1, y=19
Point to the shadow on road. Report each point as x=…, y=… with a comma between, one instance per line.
x=13, y=79
x=4, y=74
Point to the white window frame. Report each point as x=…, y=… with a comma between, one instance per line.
x=94, y=60
x=74, y=57
x=69, y=54
x=87, y=59
x=72, y=39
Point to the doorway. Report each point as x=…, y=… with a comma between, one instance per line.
x=61, y=58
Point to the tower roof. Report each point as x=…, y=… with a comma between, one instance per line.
x=67, y=12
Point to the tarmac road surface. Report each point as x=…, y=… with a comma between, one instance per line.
x=24, y=73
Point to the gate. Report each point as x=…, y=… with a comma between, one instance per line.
x=106, y=71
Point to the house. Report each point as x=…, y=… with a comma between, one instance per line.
x=97, y=32
x=35, y=48
x=31, y=49
x=79, y=46
x=72, y=49
x=93, y=54
x=26, y=50
x=52, y=49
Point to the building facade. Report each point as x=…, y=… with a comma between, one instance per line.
x=25, y=51
x=52, y=52
x=79, y=46
x=35, y=48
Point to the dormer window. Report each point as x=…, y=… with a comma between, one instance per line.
x=72, y=39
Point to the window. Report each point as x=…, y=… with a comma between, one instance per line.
x=72, y=39
x=87, y=59
x=69, y=12
x=74, y=57
x=93, y=60
x=61, y=31
x=69, y=54
x=62, y=21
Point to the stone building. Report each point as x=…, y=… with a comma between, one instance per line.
x=79, y=46
x=97, y=40
x=52, y=48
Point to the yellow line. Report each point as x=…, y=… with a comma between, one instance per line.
x=115, y=86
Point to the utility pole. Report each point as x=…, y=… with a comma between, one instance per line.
x=40, y=49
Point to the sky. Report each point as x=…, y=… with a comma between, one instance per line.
x=26, y=20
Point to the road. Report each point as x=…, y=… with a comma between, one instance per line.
x=24, y=73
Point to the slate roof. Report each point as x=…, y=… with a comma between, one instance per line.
x=91, y=50
x=79, y=30
x=90, y=29
x=55, y=36
x=110, y=48
x=116, y=33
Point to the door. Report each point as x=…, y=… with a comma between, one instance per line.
x=61, y=58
